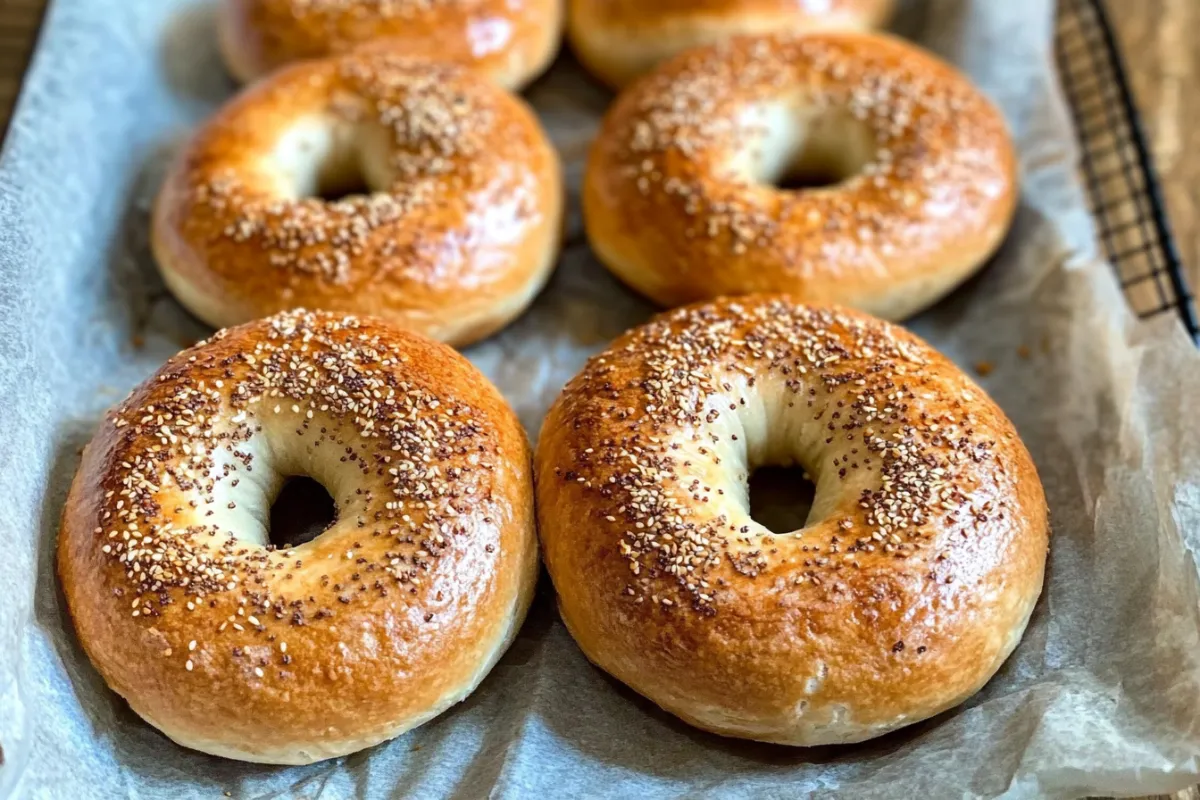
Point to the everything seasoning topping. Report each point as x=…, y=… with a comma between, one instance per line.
x=933, y=138
x=439, y=120
x=666, y=389
x=185, y=443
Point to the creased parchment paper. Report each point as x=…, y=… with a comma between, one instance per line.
x=1103, y=695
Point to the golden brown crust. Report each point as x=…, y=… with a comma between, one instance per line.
x=461, y=231
x=511, y=41
x=293, y=655
x=673, y=207
x=618, y=40
x=911, y=583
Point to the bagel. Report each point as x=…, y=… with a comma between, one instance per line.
x=457, y=231
x=511, y=41
x=911, y=582
x=398, y=610
x=680, y=198
x=618, y=40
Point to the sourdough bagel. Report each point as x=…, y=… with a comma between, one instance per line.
x=680, y=198
x=457, y=231
x=912, y=581
x=618, y=40
x=287, y=656
x=511, y=41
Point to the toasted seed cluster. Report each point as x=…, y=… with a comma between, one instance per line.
x=440, y=122
x=910, y=448
x=934, y=137
x=184, y=446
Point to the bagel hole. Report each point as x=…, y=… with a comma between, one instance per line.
x=781, y=498
x=322, y=160
x=303, y=511
x=340, y=183
x=809, y=176
x=801, y=151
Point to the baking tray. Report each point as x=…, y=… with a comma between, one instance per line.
x=84, y=316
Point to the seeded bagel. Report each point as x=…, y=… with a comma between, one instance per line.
x=511, y=42
x=911, y=582
x=456, y=230
x=686, y=193
x=288, y=655
x=618, y=40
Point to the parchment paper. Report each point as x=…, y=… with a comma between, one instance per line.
x=1103, y=695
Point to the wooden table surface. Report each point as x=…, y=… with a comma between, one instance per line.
x=1156, y=40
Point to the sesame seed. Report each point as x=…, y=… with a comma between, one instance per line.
x=372, y=405
x=642, y=413
x=443, y=123
x=928, y=139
